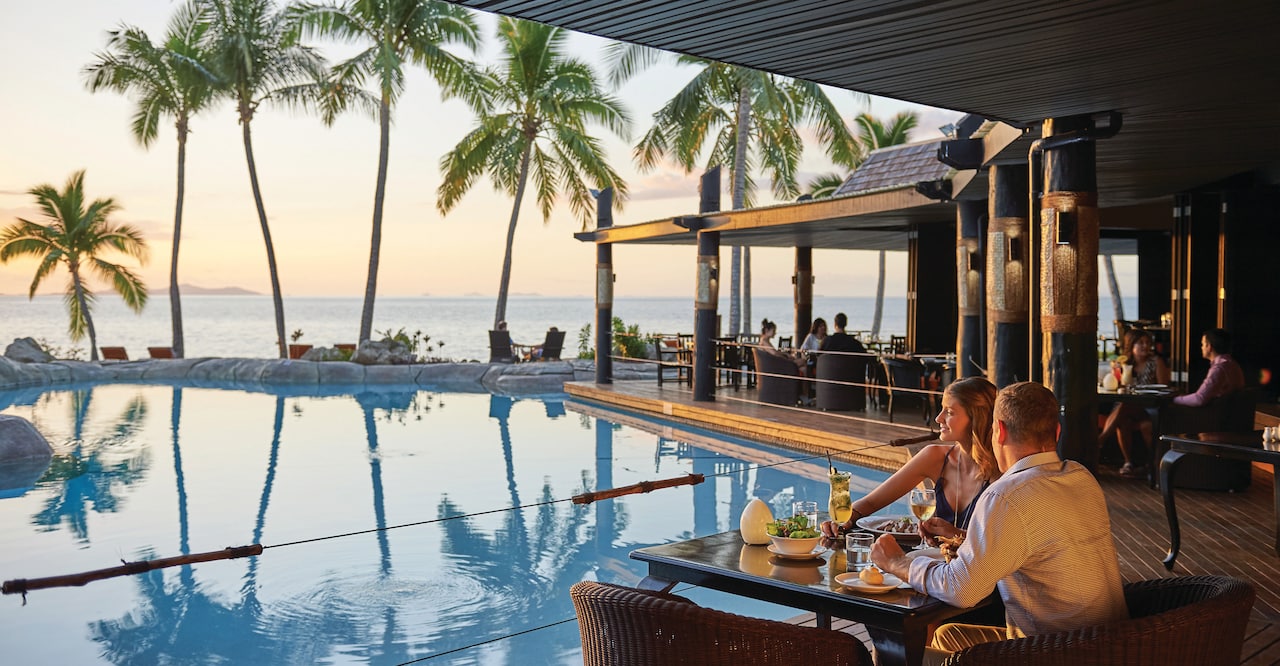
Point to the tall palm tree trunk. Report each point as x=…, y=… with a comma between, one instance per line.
x=501, y=313
x=84, y=311
x=375, y=243
x=743, y=121
x=175, y=298
x=276, y=298
x=746, y=285
x=1117, y=305
x=879, y=311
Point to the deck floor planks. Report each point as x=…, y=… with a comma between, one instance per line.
x=1222, y=533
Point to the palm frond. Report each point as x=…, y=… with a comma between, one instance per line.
x=825, y=185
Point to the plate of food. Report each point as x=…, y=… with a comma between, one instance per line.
x=932, y=553
x=902, y=528
x=858, y=581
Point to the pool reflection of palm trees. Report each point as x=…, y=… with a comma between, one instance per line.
x=181, y=623
x=179, y=619
x=97, y=471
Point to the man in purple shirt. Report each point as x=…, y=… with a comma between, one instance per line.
x=1225, y=375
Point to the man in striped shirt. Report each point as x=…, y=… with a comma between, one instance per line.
x=1040, y=535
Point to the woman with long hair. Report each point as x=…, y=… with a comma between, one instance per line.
x=960, y=467
x=1148, y=368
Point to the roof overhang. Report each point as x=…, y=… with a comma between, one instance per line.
x=866, y=221
x=1196, y=82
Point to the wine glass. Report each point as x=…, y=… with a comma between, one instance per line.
x=923, y=503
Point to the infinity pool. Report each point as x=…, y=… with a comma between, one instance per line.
x=144, y=472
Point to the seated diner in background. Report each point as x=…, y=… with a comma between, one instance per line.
x=1147, y=368
x=1040, y=534
x=959, y=470
x=535, y=352
x=769, y=329
x=817, y=333
x=1225, y=375
x=515, y=348
x=840, y=341
x=813, y=342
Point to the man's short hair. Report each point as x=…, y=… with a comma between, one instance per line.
x=841, y=320
x=1029, y=412
x=1219, y=339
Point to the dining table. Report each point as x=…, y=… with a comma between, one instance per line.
x=1235, y=445
x=1154, y=398
x=898, y=620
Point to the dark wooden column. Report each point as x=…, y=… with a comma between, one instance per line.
x=1007, y=274
x=931, y=302
x=971, y=222
x=1155, y=275
x=604, y=291
x=803, y=280
x=707, y=294
x=1250, y=240
x=1069, y=287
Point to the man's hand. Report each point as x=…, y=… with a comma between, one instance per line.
x=889, y=556
x=936, y=527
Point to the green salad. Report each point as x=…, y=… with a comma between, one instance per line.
x=795, y=527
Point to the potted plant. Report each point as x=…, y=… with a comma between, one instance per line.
x=297, y=350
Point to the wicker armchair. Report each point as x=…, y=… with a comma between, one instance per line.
x=1188, y=620
x=841, y=368
x=623, y=626
x=779, y=379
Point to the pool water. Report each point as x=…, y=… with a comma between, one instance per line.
x=143, y=472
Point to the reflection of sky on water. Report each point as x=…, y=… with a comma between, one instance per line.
x=152, y=471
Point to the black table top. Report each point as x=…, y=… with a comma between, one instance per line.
x=1245, y=445
x=725, y=560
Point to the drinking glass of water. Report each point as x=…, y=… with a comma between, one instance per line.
x=857, y=550
x=808, y=510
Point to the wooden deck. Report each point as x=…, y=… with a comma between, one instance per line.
x=1222, y=533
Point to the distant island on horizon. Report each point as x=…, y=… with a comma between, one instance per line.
x=195, y=290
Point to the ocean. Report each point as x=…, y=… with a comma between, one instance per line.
x=244, y=326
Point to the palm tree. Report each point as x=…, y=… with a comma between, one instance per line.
x=77, y=236
x=533, y=123
x=872, y=135
x=750, y=118
x=396, y=32
x=169, y=80
x=250, y=54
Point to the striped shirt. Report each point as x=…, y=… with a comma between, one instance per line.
x=1041, y=535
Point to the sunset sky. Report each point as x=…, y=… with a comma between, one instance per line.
x=318, y=182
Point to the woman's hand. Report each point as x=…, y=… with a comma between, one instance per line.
x=833, y=530
x=935, y=527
